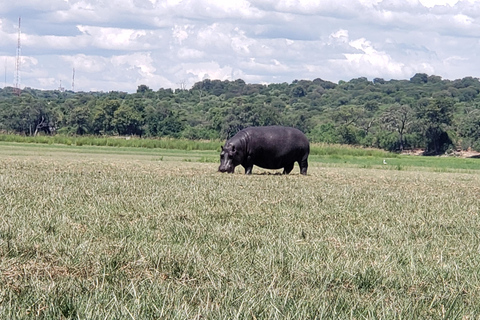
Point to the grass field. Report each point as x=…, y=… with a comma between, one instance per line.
x=129, y=233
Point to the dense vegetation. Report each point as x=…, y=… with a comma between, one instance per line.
x=423, y=112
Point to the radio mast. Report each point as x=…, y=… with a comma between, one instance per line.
x=17, y=61
x=73, y=80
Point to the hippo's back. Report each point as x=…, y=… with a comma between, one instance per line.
x=274, y=147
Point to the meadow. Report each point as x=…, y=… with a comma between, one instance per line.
x=98, y=232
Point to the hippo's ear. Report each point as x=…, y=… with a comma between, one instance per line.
x=222, y=148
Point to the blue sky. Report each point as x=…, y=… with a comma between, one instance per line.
x=117, y=45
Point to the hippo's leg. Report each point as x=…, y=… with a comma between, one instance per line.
x=288, y=168
x=248, y=169
x=303, y=166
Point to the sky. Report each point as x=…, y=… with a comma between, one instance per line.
x=117, y=45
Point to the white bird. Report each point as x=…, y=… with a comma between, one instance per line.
x=384, y=162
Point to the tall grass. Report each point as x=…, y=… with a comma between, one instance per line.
x=324, y=149
x=182, y=144
x=111, y=236
x=126, y=142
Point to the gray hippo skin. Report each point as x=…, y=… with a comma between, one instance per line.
x=271, y=147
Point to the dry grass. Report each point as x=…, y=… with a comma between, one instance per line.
x=119, y=235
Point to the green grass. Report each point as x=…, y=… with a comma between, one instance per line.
x=179, y=144
x=125, y=142
x=337, y=150
x=125, y=233
x=401, y=163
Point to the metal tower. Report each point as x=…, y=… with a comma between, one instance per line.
x=17, y=61
x=73, y=80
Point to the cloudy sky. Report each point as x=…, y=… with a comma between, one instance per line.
x=117, y=45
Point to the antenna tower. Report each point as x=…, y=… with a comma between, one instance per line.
x=17, y=61
x=73, y=80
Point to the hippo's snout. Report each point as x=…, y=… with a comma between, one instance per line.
x=226, y=169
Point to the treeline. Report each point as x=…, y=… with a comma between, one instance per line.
x=422, y=112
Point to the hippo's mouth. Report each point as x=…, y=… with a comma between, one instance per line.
x=227, y=170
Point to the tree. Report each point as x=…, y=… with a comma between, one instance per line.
x=127, y=120
x=419, y=78
x=103, y=116
x=298, y=91
x=437, y=117
x=348, y=134
x=469, y=128
x=79, y=120
x=25, y=114
x=398, y=118
x=348, y=115
x=325, y=132
x=142, y=89
x=160, y=120
x=358, y=111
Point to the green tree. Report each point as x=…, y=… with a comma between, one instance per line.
x=298, y=92
x=25, y=113
x=348, y=134
x=160, y=120
x=419, y=78
x=79, y=120
x=397, y=118
x=142, y=89
x=437, y=117
x=127, y=120
x=347, y=115
x=103, y=115
x=325, y=132
x=469, y=129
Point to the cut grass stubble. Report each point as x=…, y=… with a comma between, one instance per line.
x=109, y=237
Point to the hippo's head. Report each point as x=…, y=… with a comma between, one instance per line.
x=227, y=162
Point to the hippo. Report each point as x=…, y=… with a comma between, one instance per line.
x=270, y=147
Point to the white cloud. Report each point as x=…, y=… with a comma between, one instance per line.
x=370, y=61
x=88, y=64
x=190, y=54
x=210, y=9
x=139, y=61
x=265, y=67
x=207, y=70
x=309, y=7
x=463, y=20
x=115, y=38
x=118, y=44
x=340, y=36
x=180, y=33
x=432, y=3
x=369, y=3
x=238, y=8
x=126, y=72
x=240, y=43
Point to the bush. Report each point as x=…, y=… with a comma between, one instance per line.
x=324, y=133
